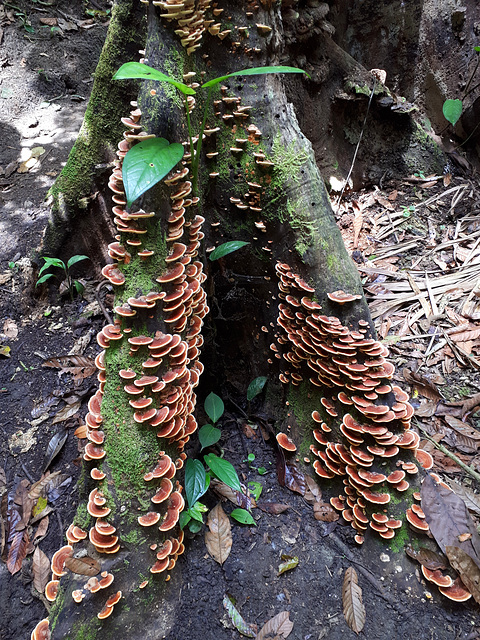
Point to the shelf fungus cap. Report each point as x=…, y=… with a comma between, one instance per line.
x=51, y=590
x=341, y=297
x=105, y=612
x=149, y=519
x=285, y=442
x=437, y=577
x=41, y=631
x=456, y=592
x=78, y=595
x=58, y=560
x=415, y=521
x=113, y=599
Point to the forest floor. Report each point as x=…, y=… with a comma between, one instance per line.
x=427, y=316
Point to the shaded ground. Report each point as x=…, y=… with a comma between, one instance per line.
x=43, y=109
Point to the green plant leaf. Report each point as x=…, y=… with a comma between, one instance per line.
x=477, y=49
x=78, y=286
x=194, y=526
x=139, y=71
x=74, y=259
x=147, y=163
x=261, y=471
x=452, y=110
x=209, y=435
x=254, y=71
x=214, y=407
x=195, y=481
x=226, y=248
x=243, y=516
x=255, y=489
x=255, y=387
x=223, y=470
x=184, y=519
x=45, y=277
x=51, y=262
x=197, y=511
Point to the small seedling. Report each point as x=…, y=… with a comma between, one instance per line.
x=214, y=408
x=13, y=266
x=408, y=211
x=71, y=285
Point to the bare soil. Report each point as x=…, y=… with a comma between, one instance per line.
x=45, y=80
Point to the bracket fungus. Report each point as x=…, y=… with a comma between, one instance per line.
x=160, y=369
x=369, y=416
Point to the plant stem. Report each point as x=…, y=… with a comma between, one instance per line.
x=190, y=136
x=196, y=161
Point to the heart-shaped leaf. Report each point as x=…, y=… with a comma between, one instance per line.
x=452, y=110
x=137, y=70
x=209, y=435
x=255, y=387
x=146, y=164
x=214, y=407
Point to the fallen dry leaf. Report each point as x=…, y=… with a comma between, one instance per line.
x=218, y=539
x=17, y=552
x=430, y=559
x=41, y=570
x=278, y=627
x=467, y=569
x=247, y=630
x=289, y=563
x=324, y=512
x=84, y=566
x=448, y=518
x=275, y=508
x=10, y=329
x=353, y=608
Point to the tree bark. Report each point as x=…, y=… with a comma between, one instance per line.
x=286, y=217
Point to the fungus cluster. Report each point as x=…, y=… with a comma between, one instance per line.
x=190, y=20
x=159, y=383
x=362, y=424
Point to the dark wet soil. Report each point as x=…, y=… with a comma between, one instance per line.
x=45, y=80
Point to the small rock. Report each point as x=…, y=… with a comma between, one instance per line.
x=384, y=557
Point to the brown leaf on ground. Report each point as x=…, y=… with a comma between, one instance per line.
x=325, y=512
x=79, y=366
x=41, y=487
x=42, y=529
x=466, y=568
x=471, y=499
x=67, y=412
x=84, y=566
x=249, y=432
x=313, y=492
x=357, y=227
x=353, y=608
x=448, y=517
x=41, y=570
x=463, y=428
x=274, y=508
x=427, y=557
x=278, y=627
x=422, y=385
x=218, y=539
x=10, y=329
x=236, y=497
x=294, y=478
x=427, y=408
x=17, y=552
